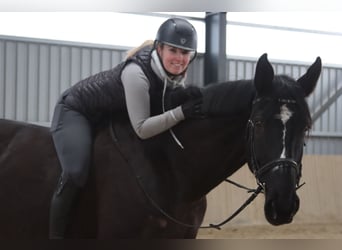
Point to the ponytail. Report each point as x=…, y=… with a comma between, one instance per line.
x=133, y=51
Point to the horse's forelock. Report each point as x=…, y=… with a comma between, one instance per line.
x=288, y=88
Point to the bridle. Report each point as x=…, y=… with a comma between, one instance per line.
x=260, y=171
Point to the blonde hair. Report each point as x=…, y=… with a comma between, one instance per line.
x=133, y=51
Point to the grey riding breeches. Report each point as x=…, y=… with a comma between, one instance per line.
x=73, y=139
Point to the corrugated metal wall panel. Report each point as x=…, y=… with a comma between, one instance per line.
x=328, y=125
x=240, y=69
x=10, y=79
x=2, y=77
x=33, y=82
x=34, y=72
x=22, y=72
x=43, y=83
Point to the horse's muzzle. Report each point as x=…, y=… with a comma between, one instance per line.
x=279, y=212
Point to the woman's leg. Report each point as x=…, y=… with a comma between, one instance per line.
x=72, y=136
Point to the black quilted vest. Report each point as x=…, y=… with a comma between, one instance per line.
x=100, y=97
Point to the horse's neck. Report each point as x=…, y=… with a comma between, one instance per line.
x=214, y=148
x=229, y=98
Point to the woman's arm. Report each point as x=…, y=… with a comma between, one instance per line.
x=136, y=86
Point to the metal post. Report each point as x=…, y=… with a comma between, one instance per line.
x=215, y=51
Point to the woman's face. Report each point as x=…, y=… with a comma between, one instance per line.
x=175, y=60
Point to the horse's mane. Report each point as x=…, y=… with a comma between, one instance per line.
x=228, y=98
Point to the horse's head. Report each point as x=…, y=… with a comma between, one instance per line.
x=277, y=127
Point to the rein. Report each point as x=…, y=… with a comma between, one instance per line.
x=167, y=215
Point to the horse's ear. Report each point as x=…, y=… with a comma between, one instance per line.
x=264, y=75
x=309, y=80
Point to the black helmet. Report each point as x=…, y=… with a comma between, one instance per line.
x=179, y=33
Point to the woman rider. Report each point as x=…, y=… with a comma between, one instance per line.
x=141, y=80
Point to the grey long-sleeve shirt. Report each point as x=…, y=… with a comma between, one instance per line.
x=136, y=87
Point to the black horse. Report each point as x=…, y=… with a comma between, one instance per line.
x=134, y=185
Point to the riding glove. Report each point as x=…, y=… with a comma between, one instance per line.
x=180, y=95
x=193, y=109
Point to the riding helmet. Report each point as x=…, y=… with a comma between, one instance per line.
x=178, y=33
